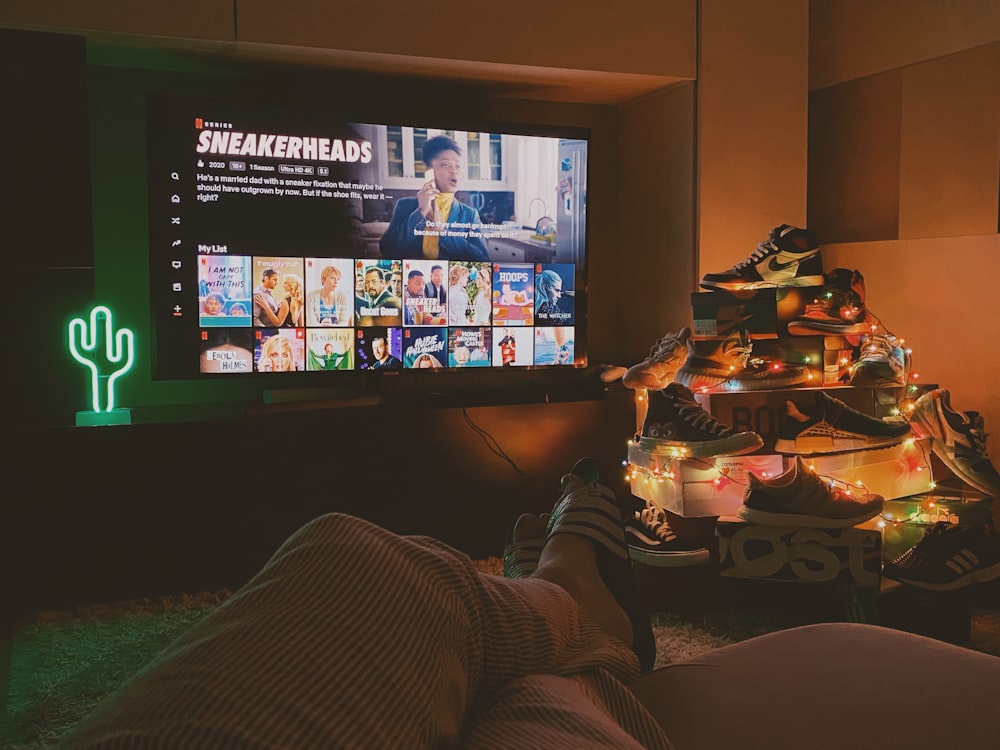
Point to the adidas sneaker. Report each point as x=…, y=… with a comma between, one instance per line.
x=731, y=366
x=677, y=425
x=788, y=257
x=658, y=369
x=948, y=558
x=882, y=363
x=957, y=438
x=838, y=308
x=653, y=542
x=831, y=426
x=799, y=497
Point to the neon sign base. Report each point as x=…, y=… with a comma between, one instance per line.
x=103, y=418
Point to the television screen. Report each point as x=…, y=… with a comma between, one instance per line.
x=300, y=241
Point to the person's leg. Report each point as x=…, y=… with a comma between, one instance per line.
x=829, y=687
x=354, y=636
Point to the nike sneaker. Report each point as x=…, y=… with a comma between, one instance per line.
x=838, y=308
x=676, y=424
x=788, y=257
x=799, y=497
x=730, y=365
x=658, y=369
x=881, y=363
x=957, y=438
x=831, y=426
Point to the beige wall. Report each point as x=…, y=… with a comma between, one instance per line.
x=752, y=124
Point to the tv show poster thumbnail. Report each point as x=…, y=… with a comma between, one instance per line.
x=554, y=345
x=512, y=347
x=418, y=308
x=377, y=290
x=330, y=292
x=226, y=350
x=470, y=293
x=224, y=283
x=470, y=347
x=290, y=281
x=279, y=350
x=513, y=294
x=330, y=349
x=420, y=341
x=554, y=294
x=393, y=337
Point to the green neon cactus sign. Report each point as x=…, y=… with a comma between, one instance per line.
x=109, y=364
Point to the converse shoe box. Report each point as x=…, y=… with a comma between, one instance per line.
x=764, y=411
x=801, y=554
x=711, y=486
x=907, y=519
x=765, y=312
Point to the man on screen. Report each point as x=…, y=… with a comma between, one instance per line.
x=420, y=225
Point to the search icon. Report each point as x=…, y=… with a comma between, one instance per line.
x=174, y=176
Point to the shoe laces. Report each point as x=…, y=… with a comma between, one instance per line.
x=692, y=413
x=764, y=249
x=976, y=432
x=878, y=347
x=738, y=350
x=655, y=520
x=670, y=342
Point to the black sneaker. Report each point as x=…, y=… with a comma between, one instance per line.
x=958, y=438
x=883, y=362
x=676, y=425
x=831, y=426
x=838, y=309
x=788, y=257
x=651, y=541
x=798, y=497
x=949, y=557
x=730, y=365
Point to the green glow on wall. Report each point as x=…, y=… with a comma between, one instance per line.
x=115, y=360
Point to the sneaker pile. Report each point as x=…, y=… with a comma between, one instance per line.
x=882, y=363
x=677, y=425
x=731, y=366
x=949, y=557
x=831, y=426
x=653, y=542
x=957, y=438
x=839, y=308
x=798, y=497
x=658, y=369
x=788, y=257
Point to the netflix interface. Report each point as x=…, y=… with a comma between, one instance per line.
x=286, y=240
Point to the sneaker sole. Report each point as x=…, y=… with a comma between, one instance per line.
x=794, y=520
x=973, y=576
x=802, y=328
x=743, y=442
x=822, y=445
x=697, y=382
x=738, y=286
x=686, y=558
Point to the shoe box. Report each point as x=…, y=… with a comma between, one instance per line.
x=696, y=487
x=896, y=471
x=764, y=411
x=764, y=312
x=907, y=519
x=800, y=554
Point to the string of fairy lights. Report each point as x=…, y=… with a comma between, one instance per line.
x=667, y=463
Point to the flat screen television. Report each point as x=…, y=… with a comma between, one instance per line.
x=301, y=245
